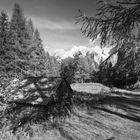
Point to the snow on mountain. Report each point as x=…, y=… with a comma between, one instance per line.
x=100, y=53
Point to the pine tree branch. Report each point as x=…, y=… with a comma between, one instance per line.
x=112, y=24
x=109, y=57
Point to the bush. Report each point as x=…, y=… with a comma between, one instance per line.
x=115, y=76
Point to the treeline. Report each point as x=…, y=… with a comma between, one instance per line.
x=21, y=48
x=22, y=54
x=124, y=72
x=79, y=68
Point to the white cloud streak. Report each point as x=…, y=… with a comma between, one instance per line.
x=54, y=25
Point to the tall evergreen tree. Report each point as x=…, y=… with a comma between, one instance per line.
x=5, y=51
x=38, y=53
x=20, y=41
x=4, y=29
x=26, y=53
x=116, y=23
x=19, y=27
x=39, y=50
x=30, y=27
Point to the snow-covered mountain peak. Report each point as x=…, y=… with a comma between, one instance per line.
x=99, y=53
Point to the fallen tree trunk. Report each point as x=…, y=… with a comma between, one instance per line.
x=124, y=92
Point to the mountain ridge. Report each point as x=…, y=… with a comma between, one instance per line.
x=99, y=53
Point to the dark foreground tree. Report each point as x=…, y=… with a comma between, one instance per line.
x=114, y=23
x=117, y=24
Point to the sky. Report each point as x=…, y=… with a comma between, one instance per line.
x=55, y=20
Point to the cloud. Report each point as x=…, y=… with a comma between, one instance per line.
x=54, y=25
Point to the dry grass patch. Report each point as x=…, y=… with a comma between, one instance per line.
x=93, y=88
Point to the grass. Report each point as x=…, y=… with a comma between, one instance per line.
x=92, y=88
x=94, y=118
x=84, y=124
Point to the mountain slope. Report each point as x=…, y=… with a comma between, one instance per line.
x=99, y=53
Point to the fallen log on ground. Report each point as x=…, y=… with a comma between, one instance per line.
x=124, y=92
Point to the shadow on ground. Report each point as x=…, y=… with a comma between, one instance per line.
x=42, y=99
x=127, y=106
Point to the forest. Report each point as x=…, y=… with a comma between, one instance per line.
x=42, y=97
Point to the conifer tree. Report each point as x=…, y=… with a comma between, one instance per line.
x=4, y=29
x=20, y=41
x=38, y=53
x=5, y=50
x=19, y=27
x=26, y=53
x=117, y=24
x=30, y=27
